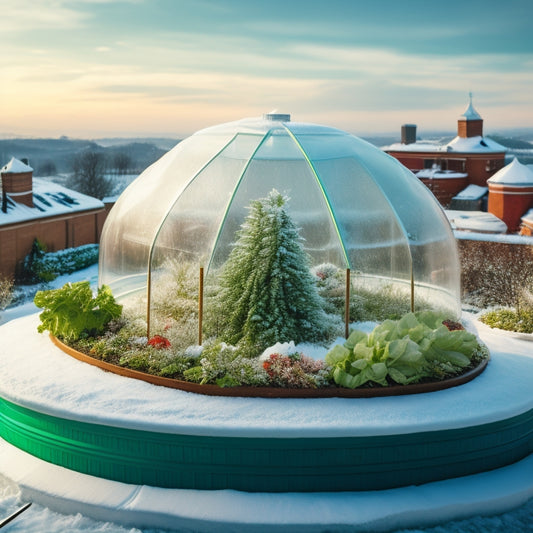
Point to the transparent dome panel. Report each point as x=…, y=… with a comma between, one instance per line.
x=435, y=262
x=307, y=204
x=432, y=253
x=135, y=219
x=188, y=234
x=372, y=236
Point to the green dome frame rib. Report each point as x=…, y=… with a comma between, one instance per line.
x=235, y=189
x=162, y=223
x=324, y=193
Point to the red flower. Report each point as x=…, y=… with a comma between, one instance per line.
x=159, y=342
x=452, y=325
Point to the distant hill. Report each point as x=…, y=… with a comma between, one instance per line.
x=164, y=143
x=55, y=156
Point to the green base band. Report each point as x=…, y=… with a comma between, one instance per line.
x=266, y=464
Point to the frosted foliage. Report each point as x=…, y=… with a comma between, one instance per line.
x=267, y=292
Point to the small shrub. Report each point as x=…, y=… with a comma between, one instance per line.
x=295, y=371
x=226, y=366
x=39, y=265
x=496, y=274
x=6, y=292
x=510, y=320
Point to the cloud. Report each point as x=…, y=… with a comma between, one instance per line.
x=28, y=15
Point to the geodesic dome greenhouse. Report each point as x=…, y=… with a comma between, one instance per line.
x=357, y=209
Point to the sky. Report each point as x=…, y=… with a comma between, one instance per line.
x=105, y=68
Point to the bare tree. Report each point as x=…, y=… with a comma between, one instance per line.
x=88, y=175
x=121, y=163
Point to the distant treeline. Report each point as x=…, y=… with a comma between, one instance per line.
x=48, y=157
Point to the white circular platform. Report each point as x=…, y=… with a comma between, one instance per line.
x=39, y=376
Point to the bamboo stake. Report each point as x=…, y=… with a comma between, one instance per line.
x=200, y=305
x=412, y=290
x=148, y=297
x=347, y=305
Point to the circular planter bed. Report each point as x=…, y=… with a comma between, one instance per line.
x=276, y=392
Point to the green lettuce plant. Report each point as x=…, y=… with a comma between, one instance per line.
x=71, y=311
x=403, y=351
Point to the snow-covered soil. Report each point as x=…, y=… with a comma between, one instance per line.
x=39, y=518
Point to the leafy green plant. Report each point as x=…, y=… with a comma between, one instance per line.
x=402, y=351
x=72, y=311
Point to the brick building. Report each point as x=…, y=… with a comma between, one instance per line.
x=470, y=158
x=36, y=208
x=511, y=193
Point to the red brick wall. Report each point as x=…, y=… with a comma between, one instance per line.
x=445, y=189
x=56, y=233
x=469, y=128
x=510, y=203
x=479, y=167
x=19, y=183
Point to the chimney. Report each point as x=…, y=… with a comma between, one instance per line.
x=17, y=181
x=408, y=133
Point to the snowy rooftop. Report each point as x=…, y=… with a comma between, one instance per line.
x=459, y=144
x=472, y=192
x=15, y=167
x=473, y=144
x=515, y=173
x=436, y=172
x=49, y=199
x=476, y=221
x=528, y=217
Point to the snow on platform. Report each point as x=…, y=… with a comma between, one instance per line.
x=220, y=511
x=38, y=375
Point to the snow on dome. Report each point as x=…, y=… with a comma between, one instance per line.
x=473, y=144
x=515, y=173
x=356, y=208
x=16, y=167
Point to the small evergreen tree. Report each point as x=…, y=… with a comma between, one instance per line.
x=267, y=293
